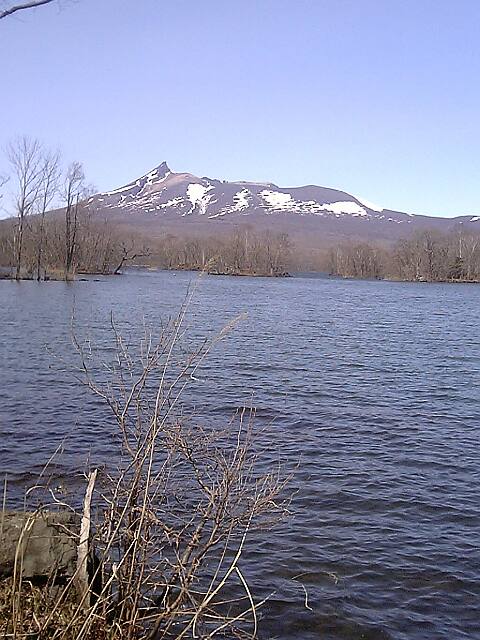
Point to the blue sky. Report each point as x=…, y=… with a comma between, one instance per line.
x=378, y=97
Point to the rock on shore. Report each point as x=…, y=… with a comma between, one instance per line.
x=46, y=544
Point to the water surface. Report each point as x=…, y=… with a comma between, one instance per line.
x=371, y=390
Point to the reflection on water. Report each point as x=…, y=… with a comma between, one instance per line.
x=370, y=388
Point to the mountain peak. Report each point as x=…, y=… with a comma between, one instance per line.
x=158, y=173
x=163, y=168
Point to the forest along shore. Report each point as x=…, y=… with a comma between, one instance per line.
x=425, y=256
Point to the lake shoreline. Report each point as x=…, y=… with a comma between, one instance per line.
x=90, y=276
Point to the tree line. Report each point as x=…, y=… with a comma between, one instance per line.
x=243, y=252
x=36, y=242
x=426, y=256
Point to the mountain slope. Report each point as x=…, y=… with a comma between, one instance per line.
x=164, y=201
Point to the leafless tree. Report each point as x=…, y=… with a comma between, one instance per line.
x=466, y=247
x=25, y=156
x=48, y=190
x=129, y=253
x=74, y=192
x=407, y=260
x=425, y=256
x=357, y=260
x=3, y=180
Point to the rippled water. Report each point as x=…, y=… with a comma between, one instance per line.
x=370, y=387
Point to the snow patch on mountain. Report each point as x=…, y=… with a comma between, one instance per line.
x=171, y=203
x=277, y=200
x=346, y=207
x=240, y=200
x=197, y=194
x=122, y=189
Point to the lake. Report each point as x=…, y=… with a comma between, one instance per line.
x=369, y=389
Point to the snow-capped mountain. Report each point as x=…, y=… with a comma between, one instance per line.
x=162, y=191
x=173, y=198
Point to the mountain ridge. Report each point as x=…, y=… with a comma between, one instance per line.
x=166, y=201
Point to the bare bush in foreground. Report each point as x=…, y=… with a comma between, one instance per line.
x=174, y=513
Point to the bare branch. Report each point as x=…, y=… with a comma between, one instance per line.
x=25, y=5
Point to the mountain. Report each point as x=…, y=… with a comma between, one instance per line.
x=163, y=201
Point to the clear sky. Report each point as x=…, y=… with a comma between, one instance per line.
x=380, y=98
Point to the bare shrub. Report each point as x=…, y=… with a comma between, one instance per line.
x=170, y=519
